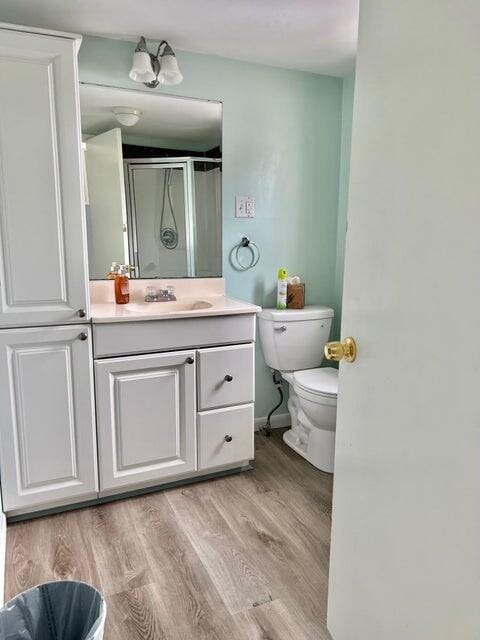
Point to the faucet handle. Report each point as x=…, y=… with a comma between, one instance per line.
x=151, y=294
x=171, y=292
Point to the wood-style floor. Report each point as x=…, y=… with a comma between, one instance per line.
x=244, y=557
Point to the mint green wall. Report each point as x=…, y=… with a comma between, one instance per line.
x=281, y=144
x=345, y=150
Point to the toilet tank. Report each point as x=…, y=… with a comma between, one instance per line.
x=294, y=339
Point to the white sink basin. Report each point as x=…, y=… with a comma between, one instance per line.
x=166, y=307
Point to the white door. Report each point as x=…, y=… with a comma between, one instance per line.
x=405, y=556
x=47, y=431
x=43, y=276
x=146, y=418
x=107, y=212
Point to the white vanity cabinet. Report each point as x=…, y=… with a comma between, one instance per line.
x=146, y=418
x=182, y=411
x=43, y=274
x=47, y=430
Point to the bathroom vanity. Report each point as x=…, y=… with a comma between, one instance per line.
x=98, y=399
x=173, y=395
x=174, y=384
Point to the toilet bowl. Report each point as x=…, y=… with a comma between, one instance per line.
x=316, y=390
x=293, y=343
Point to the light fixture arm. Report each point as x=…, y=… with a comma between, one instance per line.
x=163, y=42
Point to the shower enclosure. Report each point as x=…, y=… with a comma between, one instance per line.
x=174, y=216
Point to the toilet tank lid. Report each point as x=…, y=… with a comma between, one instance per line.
x=310, y=312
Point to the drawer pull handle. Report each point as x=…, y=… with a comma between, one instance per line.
x=228, y=438
x=83, y=336
x=228, y=378
x=82, y=313
x=190, y=360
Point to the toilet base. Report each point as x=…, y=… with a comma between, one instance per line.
x=314, y=444
x=325, y=455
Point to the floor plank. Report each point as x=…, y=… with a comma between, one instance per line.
x=243, y=557
x=274, y=621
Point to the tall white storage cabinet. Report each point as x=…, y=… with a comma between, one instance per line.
x=43, y=279
x=47, y=434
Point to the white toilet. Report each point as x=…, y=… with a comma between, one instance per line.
x=293, y=342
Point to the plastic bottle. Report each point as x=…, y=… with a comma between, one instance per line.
x=282, y=277
x=122, y=285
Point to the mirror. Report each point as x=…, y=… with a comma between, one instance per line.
x=153, y=178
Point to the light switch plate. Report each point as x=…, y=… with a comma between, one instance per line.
x=244, y=207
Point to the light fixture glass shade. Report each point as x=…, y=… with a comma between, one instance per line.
x=142, y=67
x=169, y=71
x=127, y=116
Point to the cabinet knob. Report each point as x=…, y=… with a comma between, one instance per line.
x=190, y=360
x=83, y=336
x=228, y=378
x=228, y=438
x=82, y=313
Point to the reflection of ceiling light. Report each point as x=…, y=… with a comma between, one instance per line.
x=156, y=69
x=128, y=116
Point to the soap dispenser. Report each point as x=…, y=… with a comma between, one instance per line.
x=122, y=284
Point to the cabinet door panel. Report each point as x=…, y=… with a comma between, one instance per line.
x=47, y=437
x=146, y=418
x=42, y=227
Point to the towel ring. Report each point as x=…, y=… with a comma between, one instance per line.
x=245, y=243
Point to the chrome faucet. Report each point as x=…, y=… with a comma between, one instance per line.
x=160, y=295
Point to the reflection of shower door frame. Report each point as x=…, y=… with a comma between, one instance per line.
x=186, y=165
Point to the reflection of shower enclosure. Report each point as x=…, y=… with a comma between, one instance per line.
x=174, y=216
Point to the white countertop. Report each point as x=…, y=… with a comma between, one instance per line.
x=135, y=311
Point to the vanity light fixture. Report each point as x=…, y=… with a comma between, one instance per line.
x=128, y=116
x=152, y=70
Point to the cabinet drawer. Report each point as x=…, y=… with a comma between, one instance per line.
x=225, y=436
x=226, y=376
x=123, y=338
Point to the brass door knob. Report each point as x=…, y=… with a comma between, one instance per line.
x=345, y=350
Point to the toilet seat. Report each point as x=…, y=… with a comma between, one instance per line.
x=321, y=382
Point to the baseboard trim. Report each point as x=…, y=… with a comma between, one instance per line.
x=277, y=421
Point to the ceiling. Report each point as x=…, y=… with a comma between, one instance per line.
x=311, y=35
x=176, y=122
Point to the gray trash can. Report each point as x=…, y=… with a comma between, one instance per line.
x=64, y=610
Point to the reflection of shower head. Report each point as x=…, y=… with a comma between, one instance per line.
x=168, y=235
